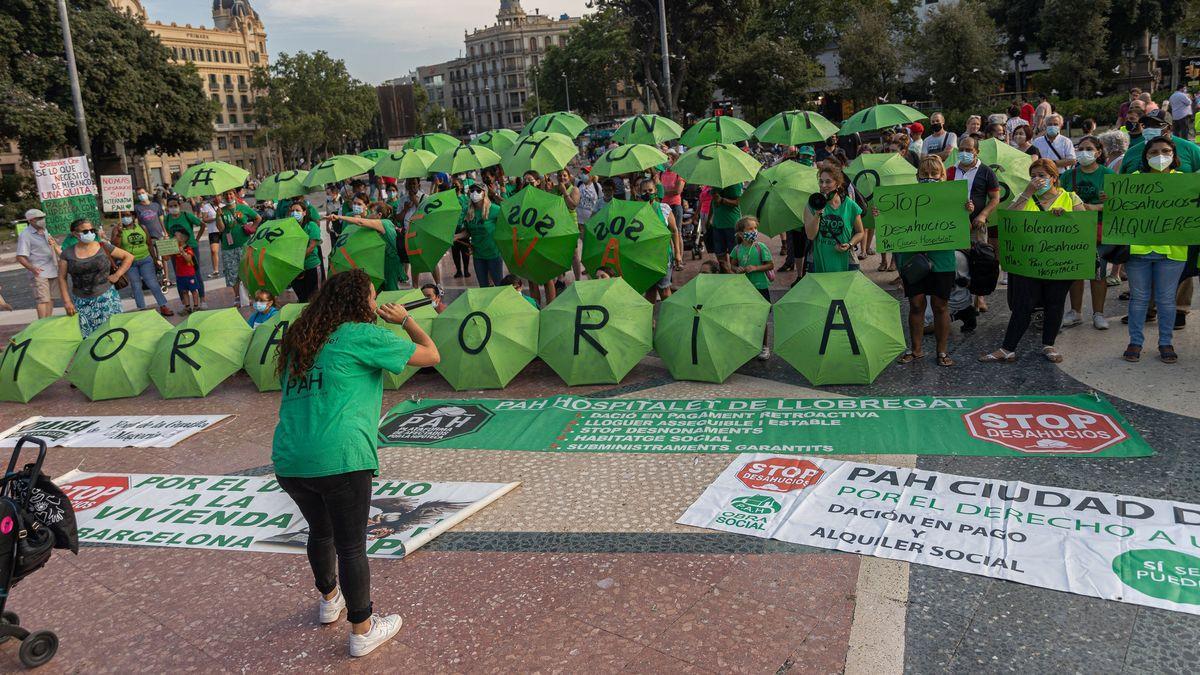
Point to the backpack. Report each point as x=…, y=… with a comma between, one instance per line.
x=984, y=267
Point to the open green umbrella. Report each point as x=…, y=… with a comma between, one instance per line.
x=1010, y=164
x=358, y=248
x=263, y=350
x=497, y=140
x=881, y=117
x=114, y=361
x=631, y=238
x=463, y=158
x=795, y=127
x=485, y=337
x=647, y=129
x=431, y=230
x=719, y=129
x=632, y=158
x=541, y=152
x=778, y=195
x=596, y=331
x=282, y=185
x=374, y=154
x=209, y=178
x=200, y=353
x=435, y=142
x=273, y=256
x=407, y=163
x=716, y=164
x=536, y=234
x=838, y=328
x=422, y=315
x=37, y=356
x=711, y=327
x=337, y=168
x=873, y=169
x=565, y=123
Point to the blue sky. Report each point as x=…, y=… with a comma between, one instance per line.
x=378, y=39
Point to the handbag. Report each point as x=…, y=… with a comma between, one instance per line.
x=915, y=269
x=1116, y=254
x=122, y=281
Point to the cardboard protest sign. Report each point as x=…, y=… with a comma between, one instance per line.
x=1042, y=245
x=67, y=191
x=922, y=217
x=166, y=247
x=136, y=431
x=1152, y=209
x=117, y=193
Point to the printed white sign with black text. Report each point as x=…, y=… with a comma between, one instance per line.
x=146, y=431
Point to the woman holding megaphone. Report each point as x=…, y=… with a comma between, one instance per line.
x=833, y=222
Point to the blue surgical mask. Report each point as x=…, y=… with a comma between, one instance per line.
x=87, y=237
x=298, y=215
x=126, y=220
x=1043, y=188
x=966, y=158
x=357, y=209
x=260, y=306
x=1152, y=132
x=1052, y=130
x=749, y=236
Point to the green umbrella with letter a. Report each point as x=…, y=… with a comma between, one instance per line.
x=114, y=361
x=282, y=185
x=778, y=195
x=273, y=256
x=718, y=129
x=263, y=350
x=422, y=315
x=711, y=327
x=631, y=238
x=541, y=152
x=358, y=248
x=881, y=117
x=536, y=234
x=838, y=328
x=37, y=356
x=431, y=230
x=717, y=164
x=497, y=140
x=795, y=127
x=407, y=163
x=485, y=337
x=435, y=142
x=647, y=129
x=210, y=178
x=463, y=158
x=596, y=331
x=200, y=353
x=566, y=123
x=631, y=158
x=337, y=168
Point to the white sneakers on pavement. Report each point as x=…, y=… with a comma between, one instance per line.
x=329, y=610
x=1099, y=322
x=383, y=628
x=1071, y=319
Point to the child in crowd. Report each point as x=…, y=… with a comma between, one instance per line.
x=435, y=294
x=753, y=258
x=605, y=272
x=185, y=273
x=264, y=308
x=519, y=284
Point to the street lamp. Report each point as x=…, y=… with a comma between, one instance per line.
x=567, y=89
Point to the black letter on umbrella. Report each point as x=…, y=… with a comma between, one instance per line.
x=462, y=329
x=120, y=345
x=581, y=328
x=696, y=334
x=192, y=336
x=275, y=338
x=838, y=306
x=20, y=349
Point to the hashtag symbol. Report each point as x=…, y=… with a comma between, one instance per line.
x=204, y=176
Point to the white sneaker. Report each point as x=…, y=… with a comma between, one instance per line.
x=1003, y=280
x=383, y=628
x=1099, y=322
x=764, y=354
x=329, y=610
x=1071, y=319
x=203, y=305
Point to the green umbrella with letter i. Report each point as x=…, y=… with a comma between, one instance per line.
x=778, y=195
x=431, y=230
x=37, y=356
x=210, y=178
x=596, y=331
x=632, y=239
x=423, y=315
x=263, y=350
x=273, y=256
x=536, y=234
x=114, y=361
x=358, y=248
x=485, y=337
x=711, y=327
x=200, y=353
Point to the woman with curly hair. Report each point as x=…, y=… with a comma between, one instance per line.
x=331, y=364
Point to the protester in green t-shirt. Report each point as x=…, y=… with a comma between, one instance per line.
x=1086, y=179
x=331, y=364
x=309, y=280
x=726, y=210
x=480, y=230
x=753, y=258
x=235, y=222
x=375, y=217
x=129, y=235
x=178, y=220
x=836, y=229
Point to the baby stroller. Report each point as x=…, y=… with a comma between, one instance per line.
x=35, y=518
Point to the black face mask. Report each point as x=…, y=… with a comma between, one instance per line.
x=646, y=196
x=935, y=128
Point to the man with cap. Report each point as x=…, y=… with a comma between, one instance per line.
x=1153, y=124
x=806, y=155
x=38, y=252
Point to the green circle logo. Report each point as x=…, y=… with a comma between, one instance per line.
x=756, y=504
x=1160, y=573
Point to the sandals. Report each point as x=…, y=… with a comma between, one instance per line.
x=1166, y=354
x=1052, y=355
x=999, y=356
x=944, y=360
x=908, y=357
x=1133, y=353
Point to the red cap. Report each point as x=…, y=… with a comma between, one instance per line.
x=916, y=128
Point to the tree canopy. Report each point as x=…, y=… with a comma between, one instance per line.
x=597, y=54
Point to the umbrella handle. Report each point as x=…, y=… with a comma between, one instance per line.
x=417, y=304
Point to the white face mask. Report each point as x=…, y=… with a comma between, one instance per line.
x=174, y=210
x=476, y=197
x=126, y=220
x=1160, y=162
x=143, y=197
x=1086, y=157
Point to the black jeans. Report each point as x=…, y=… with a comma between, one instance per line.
x=336, y=508
x=307, y=283
x=1026, y=294
x=461, y=254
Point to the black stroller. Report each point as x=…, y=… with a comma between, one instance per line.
x=35, y=518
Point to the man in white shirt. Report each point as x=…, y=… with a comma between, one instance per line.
x=1054, y=146
x=1181, y=112
x=38, y=252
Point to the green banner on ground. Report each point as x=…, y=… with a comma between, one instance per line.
x=1063, y=426
x=1152, y=209
x=922, y=217
x=1045, y=246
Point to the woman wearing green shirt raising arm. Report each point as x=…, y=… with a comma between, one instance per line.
x=331, y=364
x=376, y=217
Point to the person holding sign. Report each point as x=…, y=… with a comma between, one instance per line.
x=832, y=222
x=331, y=362
x=1025, y=294
x=132, y=237
x=1086, y=179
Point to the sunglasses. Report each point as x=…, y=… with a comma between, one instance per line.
x=85, y=231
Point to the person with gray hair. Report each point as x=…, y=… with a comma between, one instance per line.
x=1115, y=143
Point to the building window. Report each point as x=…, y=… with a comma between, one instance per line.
x=216, y=99
x=242, y=83
x=220, y=118
x=212, y=81
x=224, y=56
x=253, y=57
x=248, y=118
x=533, y=44
x=546, y=41
x=245, y=101
x=229, y=82
x=229, y=102
x=233, y=118
x=237, y=142
x=237, y=57
x=250, y=140
x=192, y=54
x=221, y=142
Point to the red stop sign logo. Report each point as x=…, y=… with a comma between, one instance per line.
x=94, y=491
x=1044, y=427
x=780, y=474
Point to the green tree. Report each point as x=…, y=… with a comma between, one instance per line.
x=817, y=24
x=871, y=57
x=768, y=75
x=958, y=54
x=312, y=104
x=132, y=93
x=597, y=54
x=1079, y=68
x=433, y=116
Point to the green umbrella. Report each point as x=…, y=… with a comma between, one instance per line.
x=114, y=361
x=210, y=178
x=37, y=356
x=873, y=169
x=422, y=315
x=435, y=142
x=1010, y=164
x=536, y=234
x=407, y=163
x=263, y=350
x=485, y=337
x=795, y=127
x=282, y=185
x=719, y=129
x=596, y=331
x=838, y=328
x=565, y=123
x=711, y=327
x=647, y=129
x=358, y=248
x=778, y=197
x=337, y=168
x=881, y=117
x=540, y=152
x=431, y=230
x=632, y=238
x=374, y=154
x=632, y=158
x=497, y=140
x=716, y=164
x=463, y=158
x=200, y=353
x=274, y=256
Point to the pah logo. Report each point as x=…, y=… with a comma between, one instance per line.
x=432, y=424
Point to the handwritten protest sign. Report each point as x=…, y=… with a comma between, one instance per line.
x=922, y=217
x=1042, y=245
x=67, y=191
x=167, y=247
x=117, y=193
x=1152, y=209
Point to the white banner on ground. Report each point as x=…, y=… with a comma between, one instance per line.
x=254, y=514
x=1140, y=551
x=116, y=192
x=145, y=431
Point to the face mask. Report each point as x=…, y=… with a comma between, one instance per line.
x=806, y=161
x=126, y=220
x=1153, y=132
x=928, y=180
x=1160, y=162
x=260, y=306
x=221, y=205
x=1086, y=157
x=914, y=147
x=1019, y=139
x=1043, y=187
x=476, y=197
x=143, y=197
x=966, y=158
x=646, y=196
x=749, y=236
x=298, y=215
x=1052, y=131
x=935, y=128
x=87, y=237
x=38, y=224
x=357, y=209
x=174, y=210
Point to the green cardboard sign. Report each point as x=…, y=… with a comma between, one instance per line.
x=922, y=217
x=61, y=212
x=1042, y=245
x=1152, y=209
